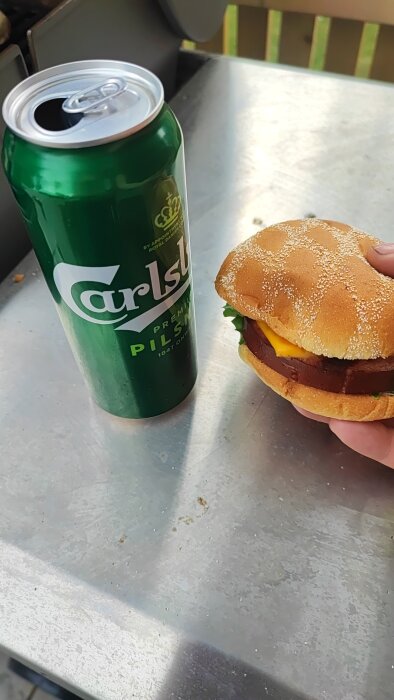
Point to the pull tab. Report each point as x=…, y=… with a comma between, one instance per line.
x=94, y=99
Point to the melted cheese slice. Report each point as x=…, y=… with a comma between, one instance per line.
x=282, y=347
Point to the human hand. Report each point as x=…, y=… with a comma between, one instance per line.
x=374, y=440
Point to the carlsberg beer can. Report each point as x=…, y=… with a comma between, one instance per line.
x=95, y=159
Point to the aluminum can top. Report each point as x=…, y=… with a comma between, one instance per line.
x=84, y=103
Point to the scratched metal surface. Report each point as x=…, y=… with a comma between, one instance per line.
x=229, y=549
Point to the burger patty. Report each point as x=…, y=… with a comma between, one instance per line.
x=329, y=374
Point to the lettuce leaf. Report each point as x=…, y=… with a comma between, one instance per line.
x=236, y=319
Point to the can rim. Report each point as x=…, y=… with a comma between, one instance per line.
x=14, y=101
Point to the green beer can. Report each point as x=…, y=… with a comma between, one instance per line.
x=95, y=159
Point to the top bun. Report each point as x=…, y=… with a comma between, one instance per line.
x=310, y=282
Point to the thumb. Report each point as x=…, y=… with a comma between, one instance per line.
x=382, y=258
x=372, y=440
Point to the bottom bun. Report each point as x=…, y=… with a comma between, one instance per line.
x=352, y=407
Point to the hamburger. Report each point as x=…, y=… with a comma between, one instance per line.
x=316, y=320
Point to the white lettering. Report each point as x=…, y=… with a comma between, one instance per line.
x=106, y=299
x=65, y=276
x=143, y=320
x=114, y=302
x=128, y=295
x=155, y=281
x=173, y=276
x=183, y=254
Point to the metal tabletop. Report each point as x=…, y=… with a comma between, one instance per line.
x=229, y=549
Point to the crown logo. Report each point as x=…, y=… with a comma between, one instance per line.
x=169, y=213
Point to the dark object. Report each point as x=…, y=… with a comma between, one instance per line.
x=21, y=17
x=126, y=30
x=198, y=20
x=37, y=679
x=14, y=243
x=189, y=62
x=329, y=374
x=30, y=4
x=5, y=28
x=51, y=116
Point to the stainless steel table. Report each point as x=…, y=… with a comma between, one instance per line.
x=229, y=549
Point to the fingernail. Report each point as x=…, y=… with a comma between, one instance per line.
x=385, y=248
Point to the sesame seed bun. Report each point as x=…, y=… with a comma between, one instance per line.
x=350, y=407
x=310, y=282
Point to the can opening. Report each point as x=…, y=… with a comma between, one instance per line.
x=51, y=116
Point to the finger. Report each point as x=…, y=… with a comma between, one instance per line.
x=388, y=422
x=382, y=258
x=372, y=440
x=312, y=416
